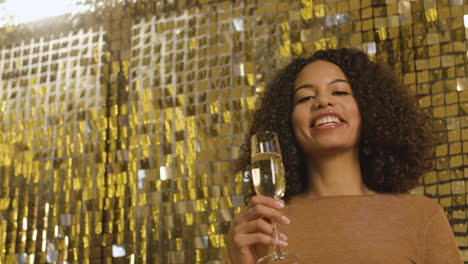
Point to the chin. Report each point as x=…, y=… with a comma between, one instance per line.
x=329, y=148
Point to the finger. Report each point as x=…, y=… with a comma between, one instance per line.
x=254, y=226
x=283, y=237
x=262, y=211
x=248, y=240
x=259, y=225
x=267, y=201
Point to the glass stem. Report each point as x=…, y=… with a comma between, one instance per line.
x=277, y=254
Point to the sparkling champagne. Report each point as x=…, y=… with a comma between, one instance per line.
x=268, y=174
x=268, y=179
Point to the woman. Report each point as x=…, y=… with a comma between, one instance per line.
x=354, y=142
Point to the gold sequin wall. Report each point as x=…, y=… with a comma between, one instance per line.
x=119, y=127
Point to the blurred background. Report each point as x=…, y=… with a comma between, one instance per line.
x=120, y=120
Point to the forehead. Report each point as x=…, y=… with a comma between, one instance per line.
x=320, y=71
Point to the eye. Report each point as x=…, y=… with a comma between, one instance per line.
x=341, y=93
x=305, y=98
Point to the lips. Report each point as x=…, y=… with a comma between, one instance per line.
x=325, y=119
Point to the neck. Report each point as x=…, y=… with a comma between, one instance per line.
x=336, y=174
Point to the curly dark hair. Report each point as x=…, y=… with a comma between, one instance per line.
x=396, y=138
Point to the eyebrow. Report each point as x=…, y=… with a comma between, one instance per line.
x=308, y=85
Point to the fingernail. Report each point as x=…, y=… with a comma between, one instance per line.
x=282, y=243
x=285, y=220
x=283, y=237
x=279, y=204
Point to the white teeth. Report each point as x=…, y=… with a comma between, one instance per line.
x=327, y=120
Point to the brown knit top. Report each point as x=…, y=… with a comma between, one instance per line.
x=377, y=229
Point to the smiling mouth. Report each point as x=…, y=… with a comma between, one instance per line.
x=326, y=120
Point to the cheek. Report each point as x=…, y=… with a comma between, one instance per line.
x=353, y=109
x=300, y=122
x=296, y=120
x=297, y=117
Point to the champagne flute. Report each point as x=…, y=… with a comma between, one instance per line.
x=268, y=179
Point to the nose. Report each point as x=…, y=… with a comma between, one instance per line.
x=323, y=101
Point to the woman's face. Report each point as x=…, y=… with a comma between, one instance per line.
x=325, y=116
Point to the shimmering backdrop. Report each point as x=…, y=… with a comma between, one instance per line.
x=119, y=124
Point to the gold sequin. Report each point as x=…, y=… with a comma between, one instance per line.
x=131, y=121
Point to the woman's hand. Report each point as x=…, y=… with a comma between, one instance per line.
x=251, y=232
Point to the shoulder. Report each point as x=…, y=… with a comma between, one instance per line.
x=423, y=206
x=428, y=223
x=415, y=212
x=410, y=204
x=417, y=202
